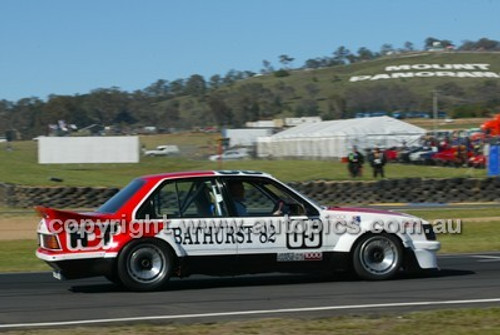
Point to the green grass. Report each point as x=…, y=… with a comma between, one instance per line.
x=20, y=166
x=475, y=237
x=447, y=321
x=454, y=213
x=19, y=256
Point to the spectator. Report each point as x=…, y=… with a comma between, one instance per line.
x=377, y=161
x=355, y=162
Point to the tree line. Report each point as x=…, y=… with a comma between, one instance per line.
x=229, y=100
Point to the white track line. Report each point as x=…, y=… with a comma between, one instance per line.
x=487, y=259
x=250, y=312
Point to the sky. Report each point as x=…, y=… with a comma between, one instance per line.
x=69, y=47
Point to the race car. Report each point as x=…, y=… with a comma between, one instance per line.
x=226, y=223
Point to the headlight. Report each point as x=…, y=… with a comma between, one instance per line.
x=429, y=232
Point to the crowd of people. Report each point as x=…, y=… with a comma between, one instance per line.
x=454, y=148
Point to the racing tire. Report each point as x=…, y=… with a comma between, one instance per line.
x=377, y=256
x=145, y=265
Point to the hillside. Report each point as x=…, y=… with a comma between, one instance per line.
x=467, y=85
x=327, y=86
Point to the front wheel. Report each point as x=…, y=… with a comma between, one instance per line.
x=377, y=257
x=145, y=265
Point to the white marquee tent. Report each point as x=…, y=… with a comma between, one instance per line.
x=334, y=139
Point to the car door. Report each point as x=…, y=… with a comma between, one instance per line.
x=195, y=217
x=277, y=223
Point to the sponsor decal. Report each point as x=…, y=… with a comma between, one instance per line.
x=299, y=257
x=224, y=234
x=90, y=237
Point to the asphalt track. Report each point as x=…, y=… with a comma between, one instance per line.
x=38, y=300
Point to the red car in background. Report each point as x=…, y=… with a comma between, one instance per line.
x=477, y=161
x=452, y=156
x=391, y=154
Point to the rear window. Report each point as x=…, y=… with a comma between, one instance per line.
x=119, y=199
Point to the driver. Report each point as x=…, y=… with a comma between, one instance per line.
x=237, y=191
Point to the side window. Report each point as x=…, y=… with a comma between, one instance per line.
x=257, y=202
x=163, y=202
x=194, y=198
x=262, y=197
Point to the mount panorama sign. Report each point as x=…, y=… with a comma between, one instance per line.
x=431, y=70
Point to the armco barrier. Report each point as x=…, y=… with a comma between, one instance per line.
x=409, y=190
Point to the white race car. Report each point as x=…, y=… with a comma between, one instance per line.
x=225, y=223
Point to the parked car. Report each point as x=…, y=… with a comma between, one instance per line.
x=231, y=155
x=177, y=224
x=404, y=154
x=477, y=161
x=162, y=150
x=450, y=157
x=421, y=155
x=391, y=154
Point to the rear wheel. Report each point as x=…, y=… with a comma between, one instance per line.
x=145, y=265
x=377, y=257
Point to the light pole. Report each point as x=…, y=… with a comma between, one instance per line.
x=435, y=110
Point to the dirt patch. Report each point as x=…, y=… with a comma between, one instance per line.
x=14, y=227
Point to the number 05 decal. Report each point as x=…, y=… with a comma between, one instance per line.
x=304, y=235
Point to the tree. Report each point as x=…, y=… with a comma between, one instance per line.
x=408, y=46
x=221, y=112
x=307, y=107
x=365, y=54
x=268, y=68
x=158, y=89
x=340, y=55
x=312, y=63
x=26, y=117
x=177, y=87
x=352, y=58
x=195, y=85
x=230, y=77
x=487, y=44
x=5, y=115
x=285, y=60
x=103, y=105
x=312, y=90
x=446, y=43
x=429, y=42
x=215, y=81
x=386, y=49
x=336, y=107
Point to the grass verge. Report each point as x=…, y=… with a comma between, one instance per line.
x=19, y=256
x=450, y=321
x=20, y=166
x=454, y=213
